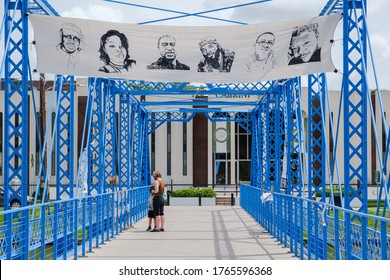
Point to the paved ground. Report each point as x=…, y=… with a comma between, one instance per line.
x=195, y=233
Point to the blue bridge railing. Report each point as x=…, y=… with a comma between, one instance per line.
x=316, y=230
x=68, y=229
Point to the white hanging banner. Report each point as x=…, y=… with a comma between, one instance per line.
x=220, y=54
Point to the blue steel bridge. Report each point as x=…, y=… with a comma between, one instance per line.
x=303, y=215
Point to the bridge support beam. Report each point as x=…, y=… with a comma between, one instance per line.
x=355, y=93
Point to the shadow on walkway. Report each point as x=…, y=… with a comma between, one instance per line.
x=195, y=233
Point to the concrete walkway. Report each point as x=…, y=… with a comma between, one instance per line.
x=195, y=233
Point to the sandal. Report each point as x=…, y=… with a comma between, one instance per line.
x=155, y=230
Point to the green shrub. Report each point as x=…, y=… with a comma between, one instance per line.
x=374, y=203
x=194, y=192
x=336, y=192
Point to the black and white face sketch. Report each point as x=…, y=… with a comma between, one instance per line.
x=262, y=58
x=166, y=45
x=304, y=44
x=216, y=58
x=69, y=47
x=114, y=52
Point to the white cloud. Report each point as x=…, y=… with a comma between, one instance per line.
x=279, y=10
x=96, y=12
x=381, y=46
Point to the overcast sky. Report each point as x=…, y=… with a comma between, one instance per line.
x=275, y=10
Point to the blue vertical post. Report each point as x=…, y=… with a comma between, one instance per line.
x=255, y=156
x=316, y=154
x=270, y=141
x=263, y=143
x=95, y=176
x=124, y=136
x=136, y=148
x=109, y=135
x=141, y=142
x=65, y=138
x=132, y=127
x=279, y=131
x=64, y=146
x=355, y=92
x=16, y=103
x=294, y=180
x=145, y=164
x=279, y=150
x=265, y=155
x=16, y=113
x=135, y=157
x=316, y=132
x=294, y=168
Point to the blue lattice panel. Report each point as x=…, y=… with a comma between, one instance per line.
x=259, y=88
x=109, y=137
x=146, y=87
x=294, y=151
x=95, y=91
x=355, y=104
x=15, y=102
x=136, y=148
x=124, y=140
x=64, y=132
x=255, y=156
x=316, y=131
x=263, y=141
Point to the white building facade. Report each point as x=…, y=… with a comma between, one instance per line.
x=202, y=152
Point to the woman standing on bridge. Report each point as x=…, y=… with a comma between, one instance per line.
x=158, y=201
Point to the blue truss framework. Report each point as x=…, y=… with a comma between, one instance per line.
x=316, y=148
x=15, y=105
x=293, y=144
x=116, y=133
x=355, y=103
x=109, y=136
x=65, y=141
x=95, y=117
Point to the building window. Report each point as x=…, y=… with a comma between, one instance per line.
x=185, y=146
x=169, y=145
x=243, y=148
x=243, y=143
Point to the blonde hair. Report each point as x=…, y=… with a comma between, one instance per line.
x=113, y=180
x=157, y=174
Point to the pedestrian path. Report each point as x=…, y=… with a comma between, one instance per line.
x=195, y=233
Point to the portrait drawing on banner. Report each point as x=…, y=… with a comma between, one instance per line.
x=215, y=58
x=304, y=45
x=166, y=45
x=69, y=47
x=262, y=57
x=114, y=52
